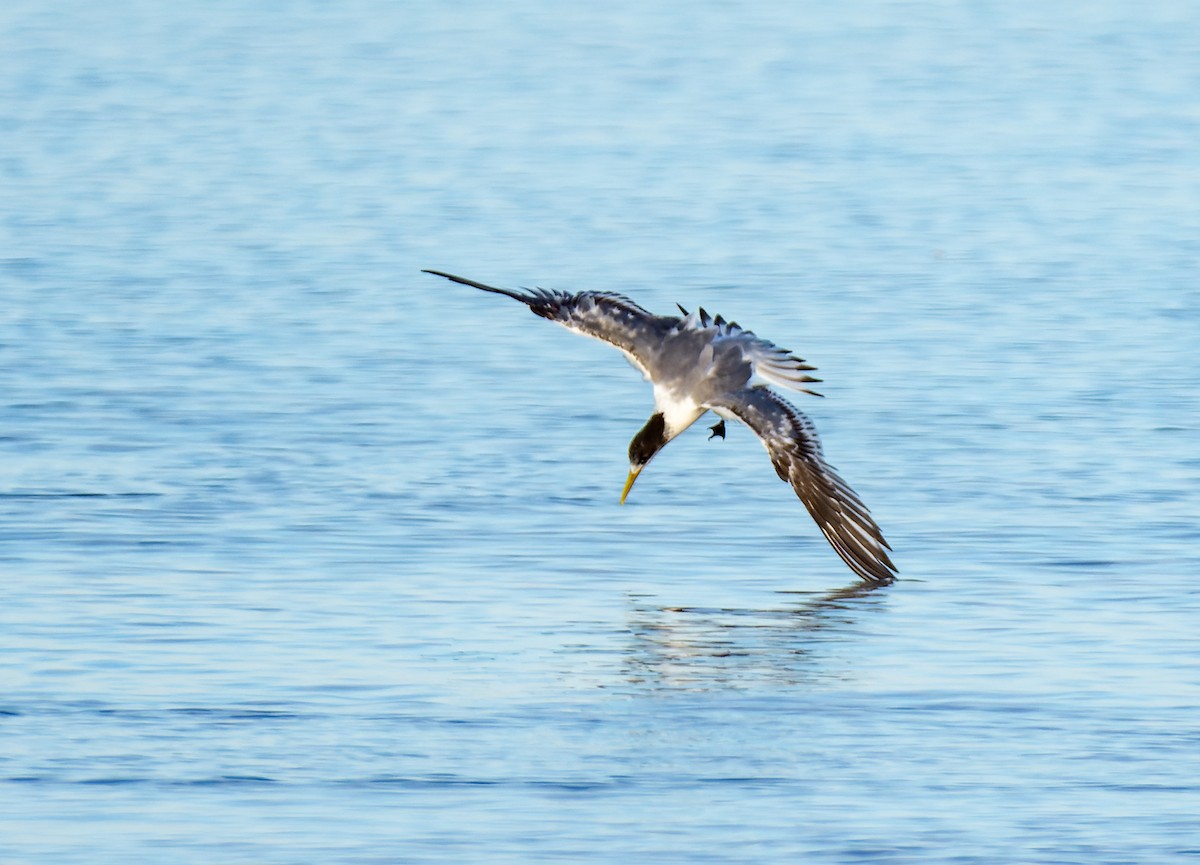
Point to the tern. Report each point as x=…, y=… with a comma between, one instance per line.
x=698, y=363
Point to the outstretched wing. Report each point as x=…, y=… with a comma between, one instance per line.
x=603, y=315
x=795, y=450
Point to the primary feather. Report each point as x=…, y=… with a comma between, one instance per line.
x=791, y=441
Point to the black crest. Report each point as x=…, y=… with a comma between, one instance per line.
x=648, y=441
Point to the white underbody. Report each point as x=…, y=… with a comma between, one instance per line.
x=679, y=411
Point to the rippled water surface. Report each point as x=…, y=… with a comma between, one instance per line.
x=310, y=557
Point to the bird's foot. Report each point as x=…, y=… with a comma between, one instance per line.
x=718, y=429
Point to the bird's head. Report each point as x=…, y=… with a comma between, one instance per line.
x=649, y=441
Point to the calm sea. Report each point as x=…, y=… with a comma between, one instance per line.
x=308, y=557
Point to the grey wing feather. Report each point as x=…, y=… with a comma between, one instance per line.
x=606, y=316
x=603, y=315
x=791, y=440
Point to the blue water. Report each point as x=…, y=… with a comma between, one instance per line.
x=309, y=557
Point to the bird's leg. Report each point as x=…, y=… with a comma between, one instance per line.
x=718, y=429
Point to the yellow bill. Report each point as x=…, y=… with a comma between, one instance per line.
x=629, y=484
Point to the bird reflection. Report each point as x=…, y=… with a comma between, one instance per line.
x=715, y=648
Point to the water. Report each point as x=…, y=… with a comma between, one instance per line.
x=309, y=557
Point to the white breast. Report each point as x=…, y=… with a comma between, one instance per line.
x=679, y=411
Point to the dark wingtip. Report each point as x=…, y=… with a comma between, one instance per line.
x=462, y=280
x=444, y=275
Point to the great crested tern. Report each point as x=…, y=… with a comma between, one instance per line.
x=698, y=363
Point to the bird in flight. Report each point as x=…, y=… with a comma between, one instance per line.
x=698, y=363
